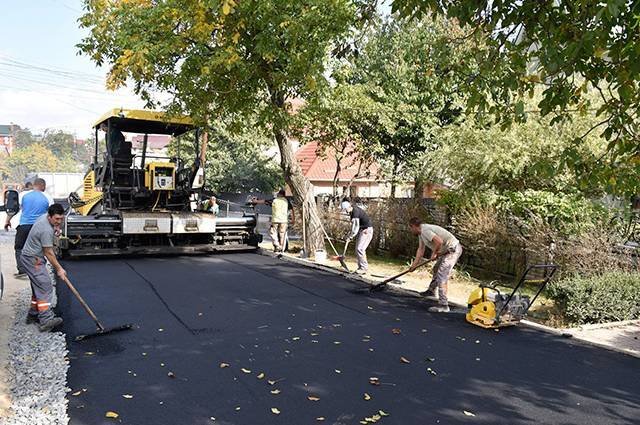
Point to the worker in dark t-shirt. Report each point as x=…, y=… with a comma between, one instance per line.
x=362, y=228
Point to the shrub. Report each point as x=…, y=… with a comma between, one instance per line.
x=606, y=297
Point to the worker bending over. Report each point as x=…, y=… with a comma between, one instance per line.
x=39, y=245
x=445, y=249
x=361, y=227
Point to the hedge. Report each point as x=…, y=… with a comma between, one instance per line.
x=607, y=297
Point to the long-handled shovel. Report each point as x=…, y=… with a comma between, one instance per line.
x=342, y=257
x=339, y=258
x=101, y=330
x=382, y=285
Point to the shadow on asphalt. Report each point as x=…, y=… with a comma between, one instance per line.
x=311, y=336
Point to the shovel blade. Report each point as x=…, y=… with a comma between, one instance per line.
x=104, y=331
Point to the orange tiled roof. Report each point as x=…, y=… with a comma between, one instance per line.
x=317, y=168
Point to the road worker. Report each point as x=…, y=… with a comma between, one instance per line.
x=33, y=204
x=38, y=246
x=362, y=228
x=445, y=251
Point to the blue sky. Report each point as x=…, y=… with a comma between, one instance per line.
x=43, y=81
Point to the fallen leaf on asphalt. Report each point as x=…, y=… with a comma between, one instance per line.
x=424, y=331
x=295, y=338
x=383, y=413
x=431, y=359
x=260, y=375
x=223, y=365
x=374, y=381
x=404, y=360
x=275, y=411
x=337, y=342
x=369, y=307
x=271, y=382
x=127, y=396
x=367, y=397
x=338, y=371
x=314, y=334
x=396, y=331
x=171, y=375
x=461, y=338
x=275, y=392
x=431, y=371
x=364, y=422
x=77, y=393
x=160, y=330
x=245, y=370
x=313, y=398
x=477, y=359
x=199, y=314
x=89, y=353
x=161, y=364
x=320, y=418
x=144, y=354
x=468, y=413
x=112, y=415
x=477, y=341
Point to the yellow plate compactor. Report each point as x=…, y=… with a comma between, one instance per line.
x=490, y=308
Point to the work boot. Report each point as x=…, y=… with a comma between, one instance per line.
x=439, y=309
x=31, y=319
x=429, y=294
x=50, y=324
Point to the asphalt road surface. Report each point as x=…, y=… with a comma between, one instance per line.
x=288, y=333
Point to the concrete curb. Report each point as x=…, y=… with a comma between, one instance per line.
x=566, y=333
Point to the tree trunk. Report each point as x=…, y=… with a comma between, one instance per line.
x=297, y=182
x=394, y=173
x=302, y=192
x=418, y=187
x=336, y=178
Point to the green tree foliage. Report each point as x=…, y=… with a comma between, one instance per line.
x=235, y=161
x=224, y=58
x=33, y=158
x=339, y=124
x=23, y=138
x=564, y=47
x=402, y=89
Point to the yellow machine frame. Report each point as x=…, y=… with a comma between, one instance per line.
x=482, y=307
x=150, y=172
x=90, y=196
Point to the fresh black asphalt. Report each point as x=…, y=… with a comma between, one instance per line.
x=315, y=336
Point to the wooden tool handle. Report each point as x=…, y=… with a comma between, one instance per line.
x=83, y=303
x=384, y=282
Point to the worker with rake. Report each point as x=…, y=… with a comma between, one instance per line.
x=362, y=228
x=39, y=245
x=445, y=251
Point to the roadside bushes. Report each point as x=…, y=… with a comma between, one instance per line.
x=610, y=296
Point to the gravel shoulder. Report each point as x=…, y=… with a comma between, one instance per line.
x=12, y=288
x=33, y=365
